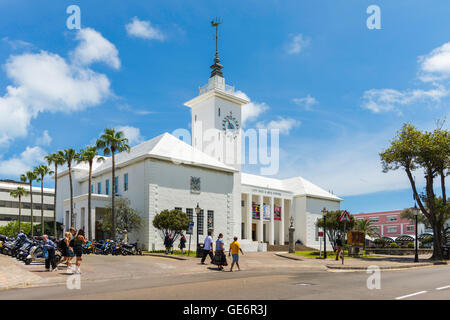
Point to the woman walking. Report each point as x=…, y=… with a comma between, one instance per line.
x=182, y=243
x=78, y=242
x=64, y=247
x=220, y=259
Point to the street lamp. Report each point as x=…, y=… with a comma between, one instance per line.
x=291, y=235
x=197, y=212
x=416, y=214
x=324, y=214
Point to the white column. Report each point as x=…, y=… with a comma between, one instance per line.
x=92, y=223
x=260, y=236
x=271, y=223
x=249, y=216
x=281, y=224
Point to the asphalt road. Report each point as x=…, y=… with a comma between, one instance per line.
x=169, y=279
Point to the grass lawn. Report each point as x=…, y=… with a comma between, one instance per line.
x=330, y=254
x=175, y=253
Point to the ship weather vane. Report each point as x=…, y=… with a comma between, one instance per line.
x=216, y=67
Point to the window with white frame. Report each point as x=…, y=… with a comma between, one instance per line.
x=392, y=229
x=392, y=218
x=374, y=219
x=410, y=228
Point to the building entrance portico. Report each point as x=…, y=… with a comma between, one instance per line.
x=264, y=214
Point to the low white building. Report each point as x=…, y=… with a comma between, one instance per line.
x=167, y=173
x=9, y=206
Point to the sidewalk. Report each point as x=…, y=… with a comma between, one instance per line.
x=383, y=262
x=13, y=275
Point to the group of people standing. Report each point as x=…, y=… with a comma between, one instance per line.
x=168, y=243
x=71, y=246
x=219, y=258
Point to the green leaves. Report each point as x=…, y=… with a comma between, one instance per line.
x=126, y=217
x=171, y=221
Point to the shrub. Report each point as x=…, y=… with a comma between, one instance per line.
x=410, y=244
x=394, y=245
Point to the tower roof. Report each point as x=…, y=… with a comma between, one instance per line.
x=216, y=67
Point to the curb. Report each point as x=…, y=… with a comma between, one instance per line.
x=381, y=268
x=287, y=257
x=164, y=256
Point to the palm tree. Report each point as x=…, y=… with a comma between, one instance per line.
x=88, y=155
x=69, y=156
x=30, y=176
x=41, y=171
x=19, y=193
x=366, y=227
x=56, y=158
x=111, y=142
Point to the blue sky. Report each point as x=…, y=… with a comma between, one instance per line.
x=337, y=90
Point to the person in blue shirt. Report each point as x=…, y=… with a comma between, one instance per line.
x=220, y=259
x=49, y=252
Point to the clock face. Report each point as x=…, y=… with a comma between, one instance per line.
x=230, y=123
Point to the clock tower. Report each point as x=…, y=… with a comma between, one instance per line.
x=216, y=117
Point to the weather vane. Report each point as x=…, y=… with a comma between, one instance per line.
x=216, y=67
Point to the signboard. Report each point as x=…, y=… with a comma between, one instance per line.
x=195, y=184
x=345, y=217
x=266, y=212
x=191, y=227
x=320, y=233
x=276, y=213
x=256, y=211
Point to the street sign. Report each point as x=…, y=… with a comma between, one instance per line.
x=191, y=227
x=320, y=233
x=345, y=217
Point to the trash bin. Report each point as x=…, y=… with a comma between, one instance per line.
x=446, y=252
x=199, y=251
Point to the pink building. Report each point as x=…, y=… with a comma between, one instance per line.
x=389, y=223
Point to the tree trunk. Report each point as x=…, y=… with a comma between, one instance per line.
x=31, y=200
x=437, y=242
x=20, y=211
x=54, y=201
x=42, y=206
x=89, y=203
x=113, y=197
x=72, y=220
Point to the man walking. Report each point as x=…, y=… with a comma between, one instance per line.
x=207, y=247
x=167, y=242
x=235, y=247
x=49, y=252
x=338, y=246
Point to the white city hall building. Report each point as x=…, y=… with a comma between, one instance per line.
x=167, y=173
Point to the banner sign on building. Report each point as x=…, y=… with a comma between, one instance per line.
x=256, y=211
x=266, y=212
x=276, y=213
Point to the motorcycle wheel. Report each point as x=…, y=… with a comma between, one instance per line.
x=27, y=261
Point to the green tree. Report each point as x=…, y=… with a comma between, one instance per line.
x=89, y=155
x=57, y=159
x=40, y=172
x=111, y=142
x=412, y=149
x=367, y=228
x=70, y=155
x=171, y=221
x=126, y=218
x=30, y=176
x=334, y=227
x=12, y=228
x=19, y=193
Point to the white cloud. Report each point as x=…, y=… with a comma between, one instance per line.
x=45, y=139
x=143, y=29
x=94, y=47
x=15, y=166
x=297, y=44
x=46, y=82
x=307, y=102
x=250, y=111
x=17, y=44
x=132, y=134
x=283, y=124
x=383, y=100
x=348, y=164
x=436, y=64
x=434, y=67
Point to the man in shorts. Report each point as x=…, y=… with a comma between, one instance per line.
x=235, y=247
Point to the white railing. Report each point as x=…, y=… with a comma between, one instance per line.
x=207, y=88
